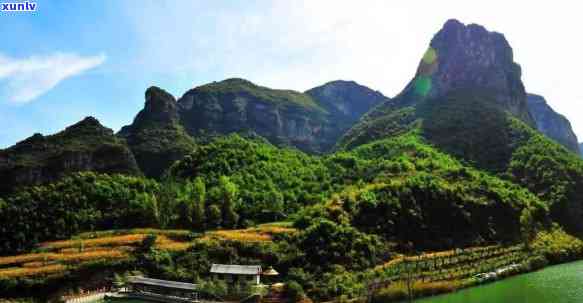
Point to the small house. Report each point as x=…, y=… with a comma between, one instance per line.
x=237, y=273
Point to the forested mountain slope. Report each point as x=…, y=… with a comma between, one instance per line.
x=84, y=146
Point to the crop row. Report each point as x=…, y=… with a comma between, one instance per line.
x=75, y=251
x=178, y=234
x=105, y=241
x=448, y=266
x=25, y=272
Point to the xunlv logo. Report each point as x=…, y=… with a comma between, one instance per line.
x=18, y=7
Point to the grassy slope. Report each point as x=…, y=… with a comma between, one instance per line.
x=275, y=96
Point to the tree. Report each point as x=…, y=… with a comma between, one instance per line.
x=326, y=243
x=294, y=291
x=167, y=200
x=527, y=228
x=214, y=218
x=147, y=246
x=199, y=196
x=230, y=196
x=185, y=211
x=275, y=201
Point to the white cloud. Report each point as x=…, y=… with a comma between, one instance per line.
x=23, y=80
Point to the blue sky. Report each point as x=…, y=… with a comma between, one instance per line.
x=71, y=59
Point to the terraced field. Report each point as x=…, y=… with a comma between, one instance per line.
x=262, y=233
x=56, y=257
x=452, y=264
x=445, y=271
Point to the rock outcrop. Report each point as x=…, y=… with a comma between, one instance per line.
x=470, y=57
x=311, y=121
x=551, y=123
x=156, y=137
x=84, y=146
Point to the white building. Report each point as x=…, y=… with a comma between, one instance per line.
x=237, y=273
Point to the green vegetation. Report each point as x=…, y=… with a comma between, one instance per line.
x=86, y=145
x=85, y=202
x=387, y=123
x=553, y=173
x=156, y=147
x=443, y=187
x=385, y=186
x=557, y=246
x=81, y=202
x=486, y=140
x=367, y=214
x=86, y=135
x=275, y=96
x=492, y=140
x=416, y=187
x=502, y=144
x=271, y=182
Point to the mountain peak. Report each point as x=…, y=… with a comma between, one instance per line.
x=469, y=57
x=227, y=84
x=347, y=97
x=160, y=106
x=88, y=121
x=87, y=125
x=341, y=83
x=466, y=56
x=238, y=81
x=454, y=26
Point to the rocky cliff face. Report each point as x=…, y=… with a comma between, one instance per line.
x=460, y=58
x=470, y=57
x=156, y=137
x=311, y=121
x=345, y=102
x=84, y=146
x=551, y=123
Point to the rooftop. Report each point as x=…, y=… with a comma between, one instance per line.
x=162, y=283
x=236, y=269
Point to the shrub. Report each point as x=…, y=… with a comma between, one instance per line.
x=294, y=291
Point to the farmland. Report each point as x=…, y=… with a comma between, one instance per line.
x=56, y=257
